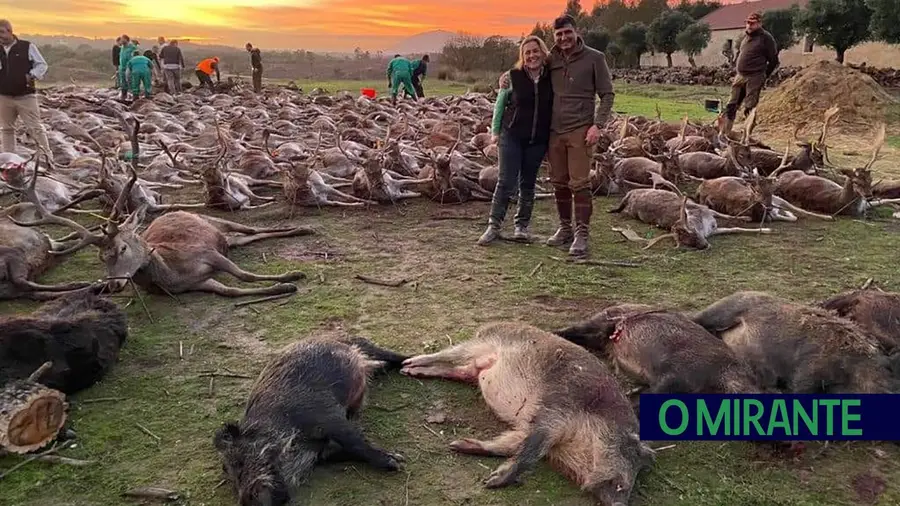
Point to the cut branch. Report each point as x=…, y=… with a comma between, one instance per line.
x=380, y=282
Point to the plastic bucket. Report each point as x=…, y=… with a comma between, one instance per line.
x=711, y=105
x=368, y=92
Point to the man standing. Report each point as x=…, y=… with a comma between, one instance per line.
x=420, y=68
x=205, y=69
x=172, y=65
x=400, y=71
x=127, y=51
x=757, y=59
x=116, y=52
x=256, y=67
x=579, y=75
x=20, y=65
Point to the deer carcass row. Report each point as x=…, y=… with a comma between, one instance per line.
x=818, y=194
x=877, y=312
x=306, y=187
x=812, y=156
x=375, y=182
x=178, y=252
x=224, y=191
x=797, y=348
x=299, y=414
x=735, y=162
x=640, y=172
x=749, y=197
x=664, y=351
x=80, y=333
x=689, y=224
x=560, y=401
x=27, y=253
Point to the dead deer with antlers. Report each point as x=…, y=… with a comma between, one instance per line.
x=447, y=187
x=649, y=170
x=689, y=224
x=375, y=182
x=178, y=252
x=304, y=186
x=818, y=194
x=735, y=162
x=752, y=197
x=813, y=155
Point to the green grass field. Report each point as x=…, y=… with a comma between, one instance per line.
x=458, y=286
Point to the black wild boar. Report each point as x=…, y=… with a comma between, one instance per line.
x=562, y=403
x=299, y=414
x=877, y=312
x=80, y=333
x=797, y=348
x=664, y=351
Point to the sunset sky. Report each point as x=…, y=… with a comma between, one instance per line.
x=310, y=24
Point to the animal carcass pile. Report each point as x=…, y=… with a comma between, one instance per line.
x=723, y=75
x=819, y=87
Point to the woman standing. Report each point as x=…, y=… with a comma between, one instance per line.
x=521, y=123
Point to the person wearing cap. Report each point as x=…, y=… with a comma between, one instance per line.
x=757, y=59
x=205, y=69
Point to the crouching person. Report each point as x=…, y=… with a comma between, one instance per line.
x=522, y=121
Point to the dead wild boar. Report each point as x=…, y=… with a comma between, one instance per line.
x=561, y=402
x=662, y=350
x=299, y=414
x=797, y=348
x=877, y=312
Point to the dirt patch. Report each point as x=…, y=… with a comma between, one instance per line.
x=868, y=487
x=300, y=252
x=582, y=307
x=807, y=95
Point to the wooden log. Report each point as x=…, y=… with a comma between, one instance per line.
x=31, y=415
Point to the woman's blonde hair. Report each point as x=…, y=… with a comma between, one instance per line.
x=531, y=38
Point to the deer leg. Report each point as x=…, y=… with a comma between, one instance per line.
x=223, y=264
x=723, y=216
x=780, y=202
x=738, y=230
x=335, y=192
x=213, y=286
x=226, y=226
x=88, y=195
x=261, y=236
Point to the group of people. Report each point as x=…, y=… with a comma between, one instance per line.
x=409, y=74
x=548, y=106
x=163, y=64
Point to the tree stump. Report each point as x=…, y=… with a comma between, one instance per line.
x=31, y=415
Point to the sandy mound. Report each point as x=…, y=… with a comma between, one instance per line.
x=806, y=96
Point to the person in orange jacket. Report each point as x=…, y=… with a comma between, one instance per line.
x=205, y=69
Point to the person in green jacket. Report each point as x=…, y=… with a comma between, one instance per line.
x=128, y=49
x=400, y=71
x=141, y=69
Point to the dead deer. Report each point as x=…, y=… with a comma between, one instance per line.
x=447, y=187
x=735, y=162
x=689, y=223
x=818, y=194
x=874, y=310
x=305, y=187
x=374, y=182
x=179, y=252
x=751, y=197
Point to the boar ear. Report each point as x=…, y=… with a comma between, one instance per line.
x=648, y=456
x=226, y=436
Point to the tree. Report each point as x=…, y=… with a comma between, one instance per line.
x=647, y=10
x=633, y=40
x=780, y=23
x=545, y=32
x=662, y=32
x=885, y=20
x=613, y=15
x=838, y=24
x=597, y=39
x=698, y=9
x=693, y=40
x=574, y=9
x=613, y=54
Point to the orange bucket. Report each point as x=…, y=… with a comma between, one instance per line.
x=368, y=92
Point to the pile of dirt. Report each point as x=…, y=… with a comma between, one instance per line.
x=806, y=96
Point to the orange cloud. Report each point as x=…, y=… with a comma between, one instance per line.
x=307, y=24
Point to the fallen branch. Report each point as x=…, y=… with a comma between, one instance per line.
x=56, y=459
x=103, y=399
x=152, y=493
x=604, y=263
x=36, y=375
x=146, y=431
x=536, y=268
x=379, y=282
x=263, y=299
x=32, y=458
x=224, y=375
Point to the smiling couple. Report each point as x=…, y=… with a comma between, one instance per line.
x=547, y=106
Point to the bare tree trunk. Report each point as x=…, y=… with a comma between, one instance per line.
x=669, y=59
x=691, y=61
x=840, y=55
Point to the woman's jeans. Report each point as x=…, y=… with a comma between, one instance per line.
x=519, y=164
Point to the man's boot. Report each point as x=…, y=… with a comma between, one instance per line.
x=490, y=235
x=563, y=235
x=584, y=207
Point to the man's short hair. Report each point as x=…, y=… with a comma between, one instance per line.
x=563, y=21
x=426, y=58
x=397, y=56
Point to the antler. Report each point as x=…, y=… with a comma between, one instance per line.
x=829, y=115
x=46, y=218
x=879, y=143
x=784, y=163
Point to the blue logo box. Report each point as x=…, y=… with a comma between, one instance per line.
x=770, y=417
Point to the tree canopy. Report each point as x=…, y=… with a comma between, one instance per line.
x=663, y=30
x=780, y=23
x=697, y=9
x=885, y=23
x=694, y=39
x=632, y=38
x=838, y=24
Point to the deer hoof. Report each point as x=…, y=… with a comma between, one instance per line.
x=285, y=288
x=293, y=276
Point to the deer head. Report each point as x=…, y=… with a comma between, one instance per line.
x=684, y=231
x=861, y=178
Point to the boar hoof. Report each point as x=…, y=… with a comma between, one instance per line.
x=392, y=462
x=501, y=477
x=467, y=445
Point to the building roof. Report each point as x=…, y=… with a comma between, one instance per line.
x=732, y=16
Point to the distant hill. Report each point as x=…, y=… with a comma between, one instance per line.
x=426, y=42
